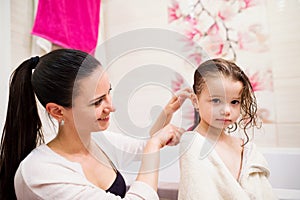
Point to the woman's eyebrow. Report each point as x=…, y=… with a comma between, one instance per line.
x=93, y=100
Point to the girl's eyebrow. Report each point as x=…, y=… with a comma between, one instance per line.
x=214, y=96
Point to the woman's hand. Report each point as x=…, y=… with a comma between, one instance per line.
x=177, y=100
x=169, y=135
x=173, y=105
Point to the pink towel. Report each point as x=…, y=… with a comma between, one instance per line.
x=69, y=23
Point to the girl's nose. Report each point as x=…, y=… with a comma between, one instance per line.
x=225, y=110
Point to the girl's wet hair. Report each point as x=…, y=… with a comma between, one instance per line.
x=220, y=67
x=54, y=80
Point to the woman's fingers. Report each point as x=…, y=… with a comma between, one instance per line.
x=174, y=135
x=184, y=94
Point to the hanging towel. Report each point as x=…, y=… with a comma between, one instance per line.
x=68, y=23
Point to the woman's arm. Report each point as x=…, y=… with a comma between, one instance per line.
x=173, y=105
x=150, y=162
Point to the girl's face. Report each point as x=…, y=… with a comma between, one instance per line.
x=219, y=102
x=93, y=105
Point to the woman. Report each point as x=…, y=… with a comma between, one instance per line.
x=75, y=91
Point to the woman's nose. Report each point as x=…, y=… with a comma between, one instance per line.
x=108, y=107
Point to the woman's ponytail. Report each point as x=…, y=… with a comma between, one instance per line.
x=22, y=129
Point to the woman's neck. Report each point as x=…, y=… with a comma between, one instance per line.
x=70, y=142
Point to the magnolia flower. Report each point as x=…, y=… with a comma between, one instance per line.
x=194, y=33
x=196, y=58
x=178, y=83
x=215, y=45
x=191, y=20
x=244, y=4
x=174, y=12
x=261, y=80
x=252, y=39
x=227, y=11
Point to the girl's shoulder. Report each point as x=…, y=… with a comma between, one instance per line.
x=192, y=143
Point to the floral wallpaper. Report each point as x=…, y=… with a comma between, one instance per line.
x=232, y=29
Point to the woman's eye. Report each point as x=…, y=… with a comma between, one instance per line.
x=97, y=103
x=216, y=101
x=109, y=90
x=235, y=102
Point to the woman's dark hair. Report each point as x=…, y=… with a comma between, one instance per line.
x=53, y=80
x=215, y=68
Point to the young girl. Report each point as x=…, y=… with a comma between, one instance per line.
x=214, y=164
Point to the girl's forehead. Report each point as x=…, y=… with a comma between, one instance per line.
x=222, y=86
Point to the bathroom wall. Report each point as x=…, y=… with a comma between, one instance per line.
x=5, y=41
x=284, y=58
x=121, y=16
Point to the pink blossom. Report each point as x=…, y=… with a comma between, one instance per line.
x=215, y=45
x=264, y=115
x=252, y=40
x=227, y=12
x=261, y=80
x=196, y=57
x=177, y=84
x=244, y=38
x=248, y=3
x=193, y=33
x=191, y=20
x=256, y=81
x=174, y=12
x=213, y=29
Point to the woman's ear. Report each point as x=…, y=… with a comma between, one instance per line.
x=56, y=111
x=194, y=100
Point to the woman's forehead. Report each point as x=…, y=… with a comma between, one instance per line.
x=97, y=82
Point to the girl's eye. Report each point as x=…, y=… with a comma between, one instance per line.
x=235, y=102
x=109, y=90
x=216, y=101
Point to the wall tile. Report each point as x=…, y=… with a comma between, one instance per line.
x=288, y=135
x=287, y=97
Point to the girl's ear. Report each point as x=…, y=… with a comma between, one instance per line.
x=194, y=100
x=56, y=111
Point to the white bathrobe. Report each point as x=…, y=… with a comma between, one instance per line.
x=207, y=177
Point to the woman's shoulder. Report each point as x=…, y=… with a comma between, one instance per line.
x=42, y=163
x=37, y=155
x=43, y=154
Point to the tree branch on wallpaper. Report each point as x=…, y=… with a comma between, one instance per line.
x=219, y=26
